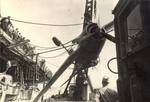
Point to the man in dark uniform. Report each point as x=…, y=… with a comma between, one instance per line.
x=107, y=94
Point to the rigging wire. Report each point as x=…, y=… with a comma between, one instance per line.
x=44, y=24
x=54, y=56
x=45, y=48
x=54, y=49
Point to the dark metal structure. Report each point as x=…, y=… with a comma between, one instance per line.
x=132, y=31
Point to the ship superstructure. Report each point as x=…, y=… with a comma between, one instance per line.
x=20, y=70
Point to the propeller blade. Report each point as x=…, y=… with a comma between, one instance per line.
x=108, y=27
x=109, y=37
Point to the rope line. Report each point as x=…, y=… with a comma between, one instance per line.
x=44, y=24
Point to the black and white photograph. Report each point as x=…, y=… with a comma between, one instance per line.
x=74, y=50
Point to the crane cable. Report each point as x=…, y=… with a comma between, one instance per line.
x=45, y=24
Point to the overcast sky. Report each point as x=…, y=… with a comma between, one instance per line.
x=61, y=12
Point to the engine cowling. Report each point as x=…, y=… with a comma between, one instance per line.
x=90, y=45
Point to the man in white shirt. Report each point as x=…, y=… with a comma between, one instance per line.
x=107, y=94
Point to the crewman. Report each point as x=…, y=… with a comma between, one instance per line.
x=107, y=94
